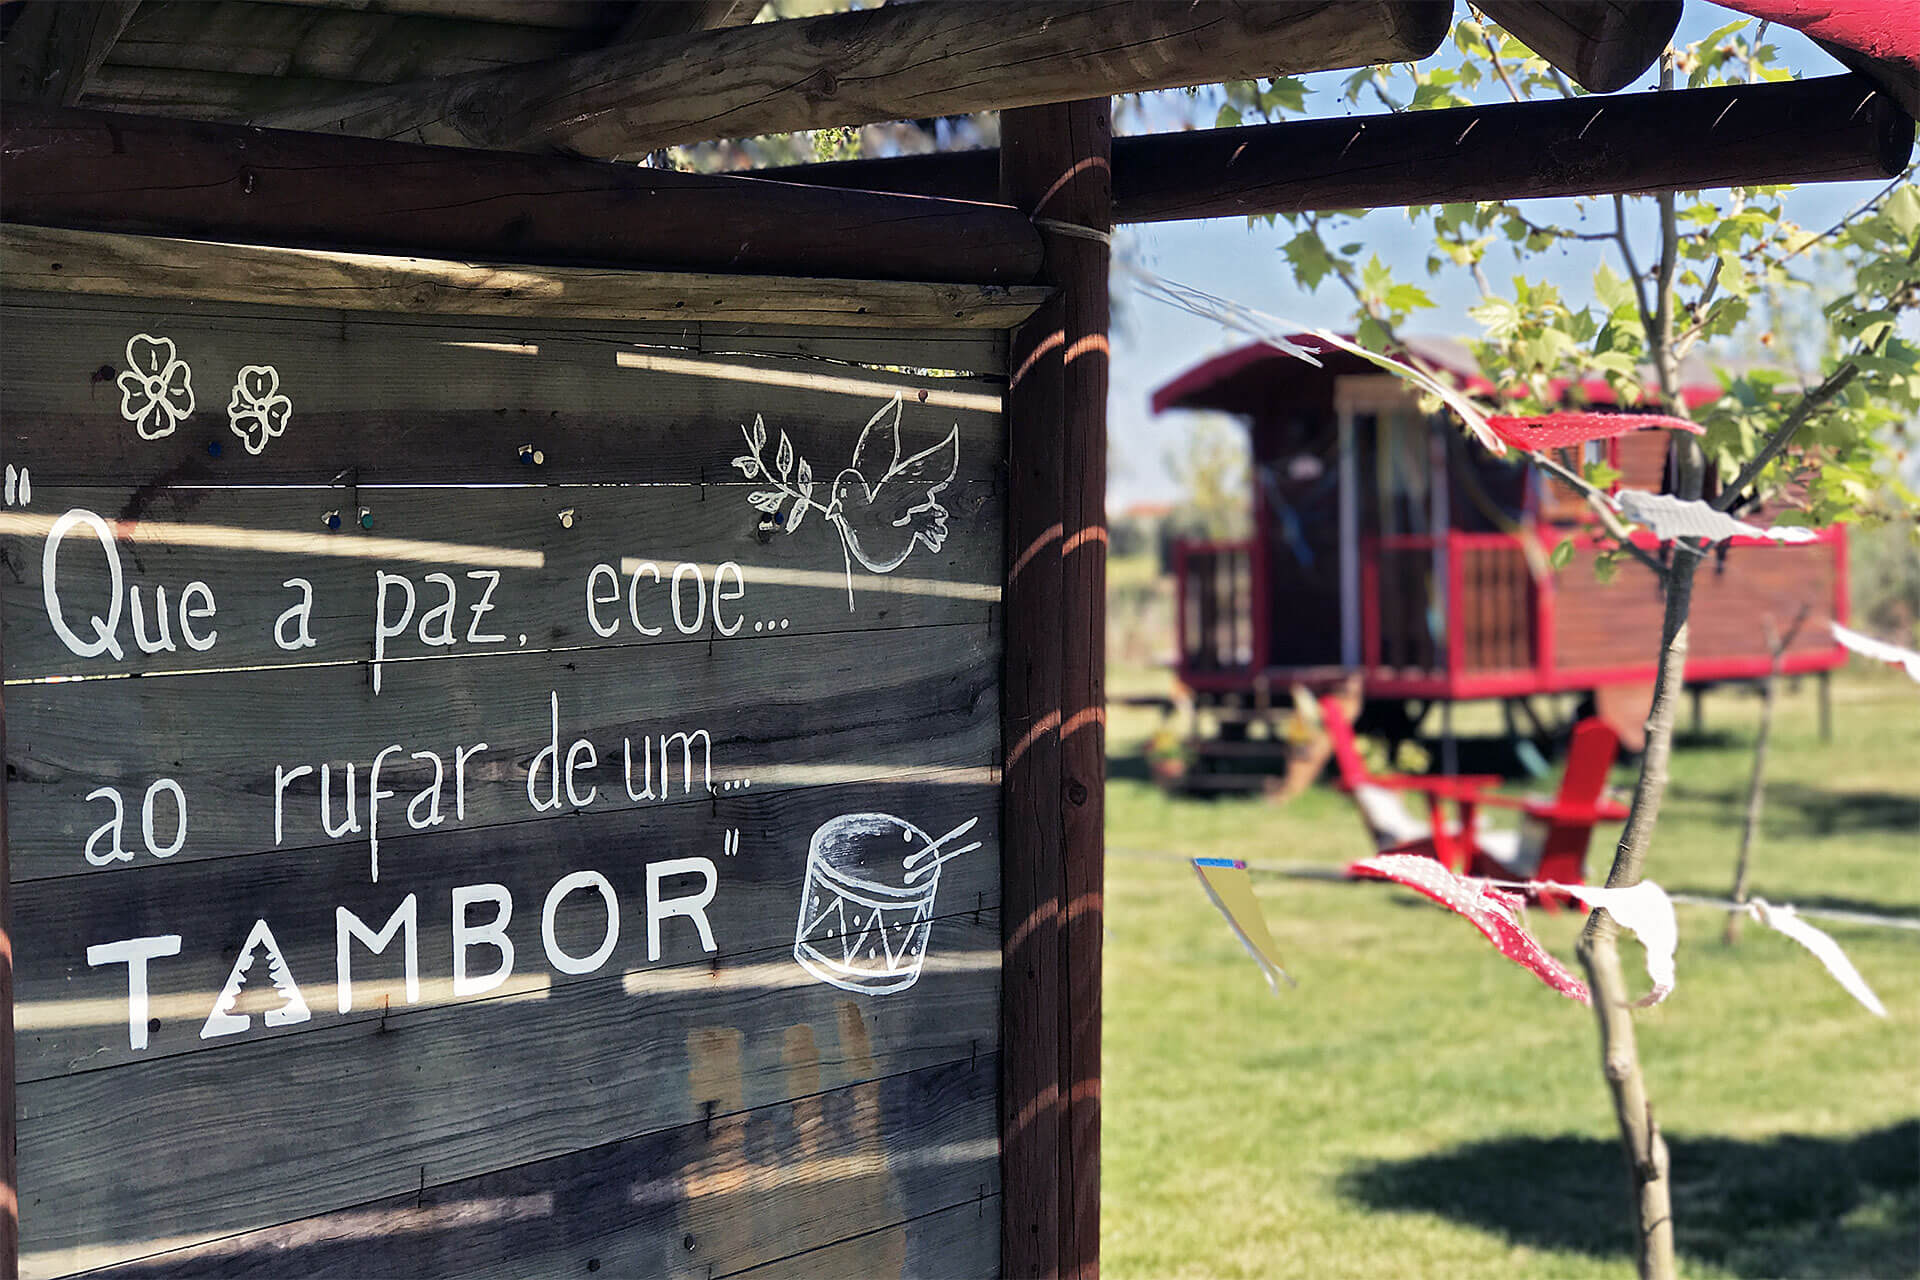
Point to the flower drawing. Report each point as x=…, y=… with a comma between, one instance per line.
x=257, y=411
x=156, y=393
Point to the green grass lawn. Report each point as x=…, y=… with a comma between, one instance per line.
x=1420, y=1106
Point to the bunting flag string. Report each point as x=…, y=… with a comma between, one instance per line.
x=1646, y=911
x=1786, y=920
x=1231, y=889
x=1494, y=912
x=1670, y=517
x=1566, y=429
x=1878, y=650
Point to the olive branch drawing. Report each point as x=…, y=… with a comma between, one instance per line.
x=771, y=501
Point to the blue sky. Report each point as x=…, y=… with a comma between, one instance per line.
x=1153, y=343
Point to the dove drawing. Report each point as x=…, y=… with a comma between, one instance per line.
x=882, y=505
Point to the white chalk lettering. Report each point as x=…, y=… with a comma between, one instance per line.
x=720, y=576
x=134, y=953
x=693, y=908
x=104, y=629
x=460, y=757
x=492, y=934
x=430, y=794
x=443, y=611
x=492, y=578
x=198, y=643
x=348, y=926
x=180, y=818
x=282, y=779
x=115, y=825
x=593, y=616
x=163, y=643
x=301, y=615
x=352, y=825
x=680, y=624
x=633, y=597
x=383, y=629
x=374, y=796
x=565, y=885
x=574, y=752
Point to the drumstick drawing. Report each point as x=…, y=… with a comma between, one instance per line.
x=933, y=846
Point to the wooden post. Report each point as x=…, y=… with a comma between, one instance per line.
x=1055, y=164
x=9, y=1183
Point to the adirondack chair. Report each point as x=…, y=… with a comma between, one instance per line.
x=1394, y=830
x=1550, y=842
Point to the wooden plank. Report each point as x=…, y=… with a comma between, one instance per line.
x=914, y=61
x=73, y=1018
x=1602, y=44
x=52, y=50
x=569, y=14
x=947, y=1245
x=50, y=260
x=1834, y=129
x=716, y=573
x=244, y=38
x=845, y=708
x=282, y=1129
x=395, y=400
x=104, y=172
x=702, y=1199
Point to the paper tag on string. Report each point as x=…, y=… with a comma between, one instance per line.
x=1494, y=912
x=1786, y=920
x=1670, y=517
x=1645, y=910
x=1231, y=889
x=1878, y=650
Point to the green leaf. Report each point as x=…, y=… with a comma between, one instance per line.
x=1228, y=118
x=1562, y=555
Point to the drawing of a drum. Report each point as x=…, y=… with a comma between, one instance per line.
x=866, y=909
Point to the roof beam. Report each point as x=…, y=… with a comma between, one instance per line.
x=115, y=173
x=897, y=62
x=1834, y=129
x=52, y=47
x=1601, y=44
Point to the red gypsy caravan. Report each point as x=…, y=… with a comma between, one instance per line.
x=1387, y=545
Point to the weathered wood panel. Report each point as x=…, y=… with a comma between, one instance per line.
x=745, y=1189
x=70, y=1017
x=256, y=1039
x=401, y=401
x=951, y=1243
x=776, y=713
x=95, y=262
x=359, y=1111
x=563, y=566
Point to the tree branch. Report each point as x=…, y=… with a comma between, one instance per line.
x=1609, y=519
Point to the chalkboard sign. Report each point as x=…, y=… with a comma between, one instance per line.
x=501, y=797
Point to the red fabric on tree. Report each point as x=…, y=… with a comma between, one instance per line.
x=1494, y=912
x=1560, y=430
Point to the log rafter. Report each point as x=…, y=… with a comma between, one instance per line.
x=912, y=61
x=1834, y=129
x=52, y=48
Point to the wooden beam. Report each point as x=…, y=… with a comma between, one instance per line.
x=9, y=1145
x=891, y=63
x=91, y=170
x=52, y=48
x=1835, y=129
x=1601, y=44
x=54, y=260
x=1055, y=164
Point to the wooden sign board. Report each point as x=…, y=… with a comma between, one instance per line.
x=500, y=797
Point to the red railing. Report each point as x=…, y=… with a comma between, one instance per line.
x=1454, y=603
x=1217, y=594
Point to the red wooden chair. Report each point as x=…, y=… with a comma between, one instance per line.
x=1393, y=829
x=1551, y=841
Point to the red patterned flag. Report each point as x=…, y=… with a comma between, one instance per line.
x=1560, y=430
x=1493, y=912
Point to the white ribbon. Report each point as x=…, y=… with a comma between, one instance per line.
x=1786, y=920
x=1670, y=517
